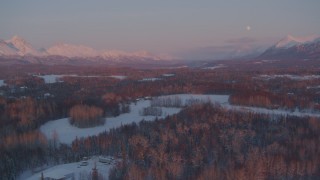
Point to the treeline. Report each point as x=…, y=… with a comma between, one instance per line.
x=151, y=111
x=166, y=102
x=83, y=116
x=261, y=99
x=274, y=101
x=176, y=101
x=24, y=114
x=21, y=144
x=207, y=142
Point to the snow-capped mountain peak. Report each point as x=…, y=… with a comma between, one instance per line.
x=69, y=50
x=7, y=50
x=17, y=46
x=294, y=48
x=17, y=40
x=290, y=41
x=22, y=46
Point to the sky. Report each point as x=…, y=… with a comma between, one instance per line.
x=181, y=27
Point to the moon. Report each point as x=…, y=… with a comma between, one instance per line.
x=248, y=28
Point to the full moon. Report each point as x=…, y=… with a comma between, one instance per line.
x=248, y=28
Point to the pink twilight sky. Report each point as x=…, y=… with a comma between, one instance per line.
x=179, y=27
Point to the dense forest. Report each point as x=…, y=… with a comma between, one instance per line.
x=208, y=142
x=203, y=141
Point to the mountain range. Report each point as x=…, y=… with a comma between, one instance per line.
x=294, y=48
x=17, y=46
x=19, y=49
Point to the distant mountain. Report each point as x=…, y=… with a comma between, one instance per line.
x=70, y=51
x=6, y=49
x=118, y=55
x=294, y=48
x=20, y=49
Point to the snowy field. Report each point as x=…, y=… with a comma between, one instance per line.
x=67, y=133
x=292, y=77
x=168, y=75
x=53, y=78
x=215, y=67
x=78, y=170
x=223, y=101
x=313, y=87
x=272, y=111
x=120, y=77
x=2, y=83
x=150, y=79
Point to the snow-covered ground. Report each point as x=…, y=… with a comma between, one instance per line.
x=2, y=83
x=67, y=133
x=272, y=111
x=215, y=67
x=221, y=99
x=150, y=79
x=78, y=170
x=293, y=77
x=53, y=78
x=313, y=87
x=168, y=75
x=121, y=77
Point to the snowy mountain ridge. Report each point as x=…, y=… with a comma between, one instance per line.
x=290, y=41
x=294, y=48
x=22, y=47
x=17, y=46
x=5, y=49
x=69, y=50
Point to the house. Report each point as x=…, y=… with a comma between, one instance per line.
x=58, y=174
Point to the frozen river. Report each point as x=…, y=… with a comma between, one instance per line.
x=68, y=133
